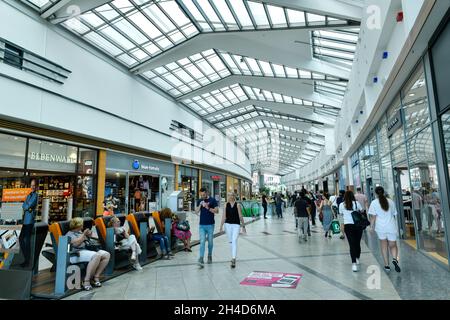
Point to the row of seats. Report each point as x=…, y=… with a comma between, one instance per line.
x=138, y=226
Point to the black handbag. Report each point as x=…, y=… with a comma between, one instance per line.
x=92, y=245
x=359, y=219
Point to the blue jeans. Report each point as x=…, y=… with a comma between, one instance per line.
x=163, y=242
x=206, y=230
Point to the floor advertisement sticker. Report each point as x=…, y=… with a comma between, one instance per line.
x=272, y=279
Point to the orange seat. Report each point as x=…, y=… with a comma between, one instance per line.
x=3, y=262
x=158, y=223
x=131, y=218
x=101, y=228
x=55, y=231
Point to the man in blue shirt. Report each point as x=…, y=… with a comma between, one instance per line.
x=29, y=218
x=207, y=206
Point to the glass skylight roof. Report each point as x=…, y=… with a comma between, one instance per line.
x=133, y=31
x=40, y=5
x=225, y=97
x=336, y=45
x=188, y=74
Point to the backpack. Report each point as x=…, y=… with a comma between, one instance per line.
x=183, y=226
x=359, y=219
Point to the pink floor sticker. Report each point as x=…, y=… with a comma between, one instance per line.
x=272, y=279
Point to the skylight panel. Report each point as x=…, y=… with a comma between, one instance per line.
x=205, y=67
x=291, y=72
x=296, y=18
x=259, y=14
x=162, y=84
x=156, y=15
x=279, y=70
x=76, y=25
x=242, y=65
x=139, y=54
x=176, y=36
x=117, y=38
x=277, y=16
x=197, y=15
x=315, y=19
x=130, y=31
x=230, y=63
x=253, y=66
x=172, y=9
x=92, y=19
x=123, y=5
x=152, y=48
x=305, y=74
x=103, y=43
x=125, y=58
x=145, y=25
x=266, y=68
x=211, y=14
x=226, y=14
x=107, y=12
x=241, y=12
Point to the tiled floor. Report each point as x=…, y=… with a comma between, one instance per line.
x=324, y=263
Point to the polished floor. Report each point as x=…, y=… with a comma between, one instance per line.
x=272, y=245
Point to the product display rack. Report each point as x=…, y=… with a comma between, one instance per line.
x=57, y=190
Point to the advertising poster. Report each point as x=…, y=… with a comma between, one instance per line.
x=272, y=279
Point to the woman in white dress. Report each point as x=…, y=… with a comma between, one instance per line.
x=383, y=217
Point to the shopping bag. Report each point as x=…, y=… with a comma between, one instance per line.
x=335, y=227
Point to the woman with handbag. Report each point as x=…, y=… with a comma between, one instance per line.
x=326, y=215
x=181, y=230
x=353, y=232
x=125, y=241
x=97, y=260
x=383, y=216
x=233, y=220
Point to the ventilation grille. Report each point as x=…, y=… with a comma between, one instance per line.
x=25, y=60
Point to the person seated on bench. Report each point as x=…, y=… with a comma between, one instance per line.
x=183, y=235
x=126, y=241
x=109, y=210
x=162, y=239
x=97, y=260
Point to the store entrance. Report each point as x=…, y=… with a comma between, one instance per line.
x=144, y=193
x=188, y=186
x=404, y=203
x=369, y=190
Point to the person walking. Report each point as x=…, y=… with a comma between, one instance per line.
x=28, y=221
x=264, y=205
x=279, y=205
x=313, y=208
x=353, y=233
x=208, y=208
x=383, y=218
x=302, y=216
x=233, y=221
x=327, y=215
x=340, y=217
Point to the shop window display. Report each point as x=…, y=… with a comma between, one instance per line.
x=426, y=202
x=12, y=151
x=115, y=185
x=415, y=103
x=144, y=193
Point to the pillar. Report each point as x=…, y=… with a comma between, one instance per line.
x=101, y=181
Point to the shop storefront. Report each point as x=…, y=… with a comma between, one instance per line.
x=246, y=190
x=188, y=182
x=66, y=177
x=216, y=184
x=138, y=184
x=400, y=155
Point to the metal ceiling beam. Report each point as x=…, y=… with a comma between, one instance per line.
x=331, y=8
x=66, y=9
x=290, y=87
x=277, y=46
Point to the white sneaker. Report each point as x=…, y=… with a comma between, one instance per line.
x=133, y=256
x=354, y=267
x=137, y=267
x=357, y=262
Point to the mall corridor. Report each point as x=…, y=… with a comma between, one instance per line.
x=271, y=245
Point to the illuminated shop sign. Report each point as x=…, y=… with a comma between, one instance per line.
x=48, y=157
x=395, y=123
